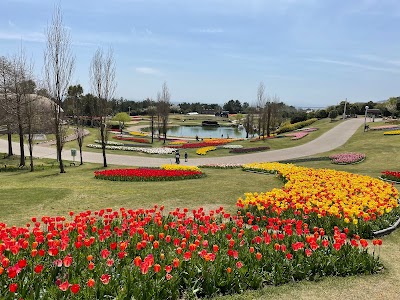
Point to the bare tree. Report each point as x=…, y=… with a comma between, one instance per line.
x=102, y=77
x=163, y=107
x=5, y=93
x=21, y=86
x=261, y=101
x=34, y=119
x=391, y=105
x=58, y=67
x=249, y=121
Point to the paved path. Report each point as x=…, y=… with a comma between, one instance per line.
x=330, y=140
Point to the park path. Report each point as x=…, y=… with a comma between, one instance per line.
x=330, y=140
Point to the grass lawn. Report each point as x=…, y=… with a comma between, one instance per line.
x=47, y=192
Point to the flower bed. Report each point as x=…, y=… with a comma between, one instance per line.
x=180, y=167
x=297, y=135
x=385, y=127
x=165, y=150
x=326, y=197
x=110, y=143
x=146, y=254
x=146, y=174
x=138, y=133
x=393, y=132
x=232, y=146
x=221, y=166
x=249, y=150
x=131, y=139
x=178, y=142
x=291, y=127
x=347, y=158
x=391, y=176
x=206, y=143
x=204, y=150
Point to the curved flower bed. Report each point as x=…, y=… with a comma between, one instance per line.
x=249, y=150
x=138, y=133
x=180, y=167
x=204, y=150
x=177, y=142
x=146, y=254
x=110, y=143
x=165, y=150
x=297, y=135
x=221, y=166
x=393, y=132
x=146, y=174
x=326, y=197
x=347, y=158
x=391, y=176
x=131, y=139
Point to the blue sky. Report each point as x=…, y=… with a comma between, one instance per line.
x=307, y=52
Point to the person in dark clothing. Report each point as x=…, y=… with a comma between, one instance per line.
x=186, y=156
x=177, y=157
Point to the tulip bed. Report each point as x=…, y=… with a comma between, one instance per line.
x=147, y=254
x=325, y=198
x=393, y=132
x=347, y=158
x=131, y=139
x=391, y=176
x=204, y=150
x=148, y=174
x=221, y=166
x=249, y=150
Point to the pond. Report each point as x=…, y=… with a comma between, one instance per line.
x=206, y=132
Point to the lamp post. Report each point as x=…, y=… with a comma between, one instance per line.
x=129, y=108
x=344, y=110
x=365, y=118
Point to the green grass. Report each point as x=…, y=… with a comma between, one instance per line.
x=46, y=192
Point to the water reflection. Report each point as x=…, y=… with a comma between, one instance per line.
x=205, y=132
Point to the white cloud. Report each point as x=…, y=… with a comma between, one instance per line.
x=23, y=36
x=148, y=71
x=352, y=64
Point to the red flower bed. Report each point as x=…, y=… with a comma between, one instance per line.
x=391, y=175
x=199, y=145
x=146, y=174
x=147, y=254
x=132, y=139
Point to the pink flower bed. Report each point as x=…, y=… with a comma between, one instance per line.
x=347, y=158
x=385, y=127
x=297, y=135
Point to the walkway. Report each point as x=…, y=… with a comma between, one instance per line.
x=330, y=140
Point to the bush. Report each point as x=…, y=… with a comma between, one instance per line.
x=290, y=127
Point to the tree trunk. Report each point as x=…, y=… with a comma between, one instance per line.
x=152, y=129
x=9, y=137
x=103, y=142
x=21, y=146
x=30, y=142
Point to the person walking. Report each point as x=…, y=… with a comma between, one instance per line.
x=177, y=157
x=186, y=156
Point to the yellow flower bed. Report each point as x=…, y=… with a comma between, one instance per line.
x=325, y=192
x=392, y=132
x=204, y=150
x=137, y=133
x=179, y=142
x=180, y=167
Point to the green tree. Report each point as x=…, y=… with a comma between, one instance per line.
x=121, y=117
x=333, y=114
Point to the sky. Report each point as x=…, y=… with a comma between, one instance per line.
x=309, y=53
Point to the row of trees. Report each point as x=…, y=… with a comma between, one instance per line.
x=22, y=105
